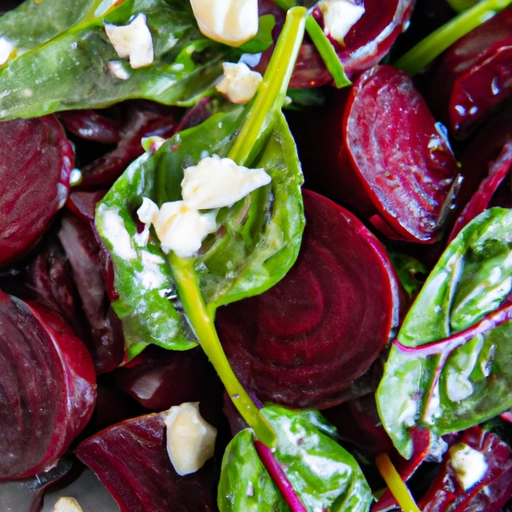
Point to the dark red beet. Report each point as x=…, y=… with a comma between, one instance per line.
x=166, y=378
x=141, y=121
x=395, y=167
x=106, y=340
x=304, y=341
x=47, y=388
x=36, y=160
x=366, y=44
x=131, y=461
x=91, y=125
x=474, y=75
x=489, y=495
x=498, y=171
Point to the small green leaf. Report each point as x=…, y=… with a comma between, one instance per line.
x=245, y=485
x=323, y=474
x=263, y=39
x=143, y=279
x=471, y=279
x=409, y=271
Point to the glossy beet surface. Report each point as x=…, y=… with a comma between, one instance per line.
x=131, y=460
x=395, y=166
x=490, y=494
x=47, y=388
x=304, y=341
x=474, y=75
x=366, y=44
x=36, y=160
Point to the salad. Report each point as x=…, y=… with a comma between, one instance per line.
x=256, y=256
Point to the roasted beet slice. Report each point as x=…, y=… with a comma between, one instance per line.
x=131, y=461
x=47, y=388
x=394, y=166
x=36, y=160
x=304, y=341
x=498, y=171
x=141, y=121
x=91, y=125
x=106, y=340
x=489, y=494
x=474, y=75
x=366, y=44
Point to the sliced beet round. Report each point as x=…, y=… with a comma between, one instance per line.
x=394, y=166
x=304, y=341
x=474, y=75
x=47, y=388
x=131, y=461
x=36, y=161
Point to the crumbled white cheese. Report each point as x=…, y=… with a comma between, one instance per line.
x=133, y=41
x=75, y=178
x=114, y=230
x=66, y=505
x=217, y=182
x=190, y=439
x=239, y=84
x=340, y=16
x=182, y=230
x=232, y=22
x=148, y=211
x=117, y=69
x=469, y=464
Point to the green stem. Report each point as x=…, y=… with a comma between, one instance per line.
x=461, y=5
x=272, y=90
x=204, y=328
x=395, y=484
x=327, y=52
x=438, y=41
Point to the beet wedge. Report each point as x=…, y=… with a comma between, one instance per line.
x=304, y=341
x=395, y=166
x=47, y=388
x=131, y=460
x=36, y=161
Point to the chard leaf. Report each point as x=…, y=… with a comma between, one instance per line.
x=323, y=474
x=451, y=385
x=72, y=64
x=245, y=485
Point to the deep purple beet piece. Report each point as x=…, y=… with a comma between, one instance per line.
x=490, y=494
x=91, y=125
x=366, y=44
x=36, y=160
x=474, y=75
x=395, y=167
x=131, y=461
x=303, y=342
x=47, y=388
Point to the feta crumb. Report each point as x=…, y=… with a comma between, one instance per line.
x=239, y=84
x=117, y=69
x=190, y=439
x=75, y=178
x=217, y=182
x=469, y=464
x=340, y=16
x=147, y=211
x=6, y=50
x=182, y=230
x=231, y=22
x=66, y=505
x=133, y=41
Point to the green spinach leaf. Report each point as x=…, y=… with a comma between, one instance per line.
x=75, y=65
x=322, y=473
x=455, y=388
x=245, y=485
